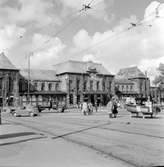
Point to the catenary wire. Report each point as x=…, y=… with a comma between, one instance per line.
x=140, y=23
x=78, y=12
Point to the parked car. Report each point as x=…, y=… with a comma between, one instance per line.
x=43, y=107
x=25, y=111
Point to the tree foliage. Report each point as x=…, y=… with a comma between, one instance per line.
x=160, y=78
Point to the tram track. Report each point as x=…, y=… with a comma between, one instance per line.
x=65, y=137
x=81, y=130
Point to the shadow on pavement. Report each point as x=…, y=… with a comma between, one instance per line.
x=11, y=135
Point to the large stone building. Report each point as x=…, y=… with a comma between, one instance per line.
x=157, y=93
x=44, y=87
x=131, y=82
x=70, y=82
x=85, y=81
x=9, y=78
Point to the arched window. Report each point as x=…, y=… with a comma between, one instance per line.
x=131, y=87
x=103, y=85
x=78, y=84
x=98, y=85
x=10, y=84
x=91, y=85
x=127, y=87
x=122, y=87
x=50, y=86
x=42, y=86
x=85, y=86
x=57, y=86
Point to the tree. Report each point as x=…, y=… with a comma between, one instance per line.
x=160, y=78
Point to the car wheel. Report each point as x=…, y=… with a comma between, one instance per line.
x=31, y=114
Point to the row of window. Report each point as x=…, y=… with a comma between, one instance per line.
x=8, y=84
x=125, y=87
x=50, y=86
x=91, y=85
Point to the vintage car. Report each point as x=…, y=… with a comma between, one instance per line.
x=44, y=107
x=25, y=111
x=142, y=110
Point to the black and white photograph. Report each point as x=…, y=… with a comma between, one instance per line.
x=81, y=83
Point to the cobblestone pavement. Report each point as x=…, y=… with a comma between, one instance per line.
x=96, y=139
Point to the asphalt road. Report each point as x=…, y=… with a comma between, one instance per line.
x=124, y=140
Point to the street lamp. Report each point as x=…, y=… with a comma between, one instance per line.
x=29, y=75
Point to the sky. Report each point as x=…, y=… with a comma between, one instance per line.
x=55, y=31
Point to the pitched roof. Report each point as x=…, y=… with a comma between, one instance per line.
x=5, y=63
x=42, y=75
x=123, y=81
x=131, y=72
x=72, y=66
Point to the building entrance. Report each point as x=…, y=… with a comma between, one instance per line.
x=92, y=100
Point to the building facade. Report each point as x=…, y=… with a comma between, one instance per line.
x=85, y=81
x=157, y=93
x=132, y=82
x=69, y=83
x=9, y=78
x=43, y=87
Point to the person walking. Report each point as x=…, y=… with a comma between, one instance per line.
x=109, y=108
x=84, y=108
x=114, y=109
x=90, y=108
x=96, y=107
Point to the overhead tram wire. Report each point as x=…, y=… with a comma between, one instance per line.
x=57, y=33
x=78, y=12
x=140, y=23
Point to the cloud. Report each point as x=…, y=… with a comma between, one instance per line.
x=117, y=48
x=47, y=54
x=10, y=36
x=151, y=65
x=35, y=12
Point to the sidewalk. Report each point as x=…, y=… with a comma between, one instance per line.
x=13, y=134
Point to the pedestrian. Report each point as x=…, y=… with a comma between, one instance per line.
x=50, y=105
x=90, y=108
x=109, y=108
x=84, y=107
x=114, y=108
x=96, y=107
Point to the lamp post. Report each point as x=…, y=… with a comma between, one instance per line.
x=29, y=75
x=67, y=89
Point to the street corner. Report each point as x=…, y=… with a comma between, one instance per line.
x=14, y=134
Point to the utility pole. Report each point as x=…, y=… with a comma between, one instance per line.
x=29, y=76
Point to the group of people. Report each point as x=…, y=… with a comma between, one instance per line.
x=87, y=108
x=113, y=108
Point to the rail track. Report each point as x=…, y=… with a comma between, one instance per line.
x=82, y=128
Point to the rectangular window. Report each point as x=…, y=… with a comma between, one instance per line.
x=91, y=85
x=103, y=85
x=42, y=86
x=98, y=85
x=70, y=85
x=50, y=86
x=35, y=85
x=85, y=86
x=122, y=87
x=127, y=87
x=78, y=84
x=131, y=87
x=57, y=87
x=71, y=98
x=0, y=83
